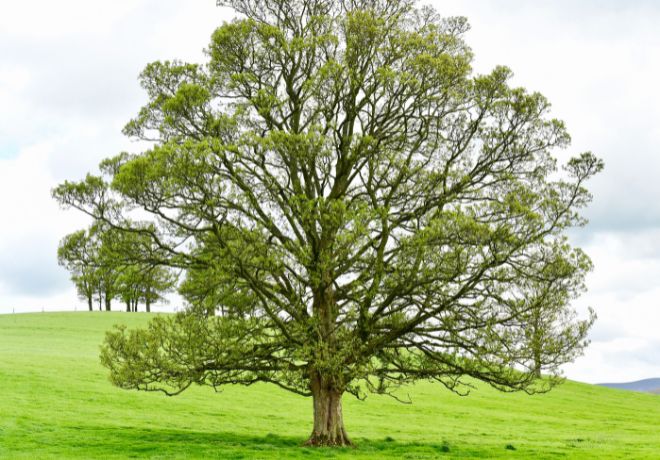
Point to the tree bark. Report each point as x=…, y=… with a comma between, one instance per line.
x=329, y=427
x=89, y=303
x=537, y=362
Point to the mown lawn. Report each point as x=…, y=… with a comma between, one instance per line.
x=56, y=402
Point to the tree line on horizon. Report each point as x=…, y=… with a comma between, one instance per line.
x=102, y=269
x=106, y=265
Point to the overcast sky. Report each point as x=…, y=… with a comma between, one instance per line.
x=68, y=84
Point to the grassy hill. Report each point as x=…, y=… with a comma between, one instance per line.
x=56, y=402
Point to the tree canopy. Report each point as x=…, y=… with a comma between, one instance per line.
x=364, y=209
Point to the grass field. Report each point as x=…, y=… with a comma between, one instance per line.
x=56, y=402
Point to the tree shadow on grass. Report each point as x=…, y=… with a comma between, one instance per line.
x=129, y=442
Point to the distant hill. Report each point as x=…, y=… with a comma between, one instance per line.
x=646, y=385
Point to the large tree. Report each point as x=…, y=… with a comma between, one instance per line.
x=379, y=213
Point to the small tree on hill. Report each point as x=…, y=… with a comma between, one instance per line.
x=139, y=283
x=107, y=275
x=77, y=254
x=156, y=282
x=142, y=278
x=129, y=287
x=384, y=214
x=86, y=255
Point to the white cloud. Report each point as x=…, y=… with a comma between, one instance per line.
x=48, y=20
x=32, y=226
x=68, y=84
x=618, y=360
x=625, y=292
x=595, y=61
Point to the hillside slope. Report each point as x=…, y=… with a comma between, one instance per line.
x=56, y=402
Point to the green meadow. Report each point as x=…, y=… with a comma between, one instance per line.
x=56, y=402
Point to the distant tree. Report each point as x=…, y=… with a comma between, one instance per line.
x=141, y=279
x=107, y=275
x=128, y=287
x=387, y=213
x=139, y=283
x=107, y=265
x=76, y=253
x=85, y=254
x=156, y=282
x=544, y=297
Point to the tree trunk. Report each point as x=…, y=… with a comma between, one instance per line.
x=328, y=418
x=89, y=303
x=327, y=389
x=537, y=343
x=128, y=306
x=148, y=306
x=108, y=302
x=537, y=363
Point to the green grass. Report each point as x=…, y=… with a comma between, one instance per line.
x=56, y=402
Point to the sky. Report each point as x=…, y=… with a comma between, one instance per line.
x=68, y=84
